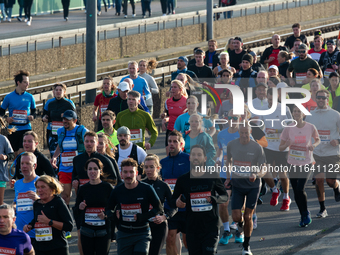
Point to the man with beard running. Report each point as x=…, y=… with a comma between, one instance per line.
x=197, y=190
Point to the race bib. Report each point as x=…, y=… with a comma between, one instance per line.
x=55, y=126
x=67, y=158
x=19, y=116
x=83, y=181
x=92, y=218
x=136, y=135
x=241, y=168
x=24, y=203
x=273, y=137
x=325, y=136
x=172, y=183
x=297, y=152
x=43, y=232
x=199, y=202
x=103, y=108
x=327, y=72
x=129, y=210
x=7, y=251
x=300, y=77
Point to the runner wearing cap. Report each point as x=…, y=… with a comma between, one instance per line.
x=182, y=67
x=270, y=54
x=329, y=61
x=12, y=240
x=137, y=121
x=126, y=149
x=273, y=70
x=70, y=144
x=108, y=120
x=236, y=54
x=130, y=202
x=300, y=67
x=21, y=107
x=119, y=103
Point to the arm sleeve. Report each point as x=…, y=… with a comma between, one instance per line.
x=33, y=112
x=150, y=124
x=222, y=196
x=65, y=214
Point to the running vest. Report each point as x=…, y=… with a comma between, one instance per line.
x=330, y=60
x=132, y=155
x=79, y=139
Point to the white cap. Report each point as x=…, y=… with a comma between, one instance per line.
x=274, y=67
x=281, y=85
x=124, y=86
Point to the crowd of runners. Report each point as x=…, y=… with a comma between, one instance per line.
x=289, y=131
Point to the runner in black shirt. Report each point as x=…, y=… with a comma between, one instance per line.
x=89, y=210
x=158, y=224
x=297, y=34
x=51, y=219
x=236, y=55
x=202, y=71
x=130, y=202
x=197, y=188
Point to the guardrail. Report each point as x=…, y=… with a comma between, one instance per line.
x=121, y=28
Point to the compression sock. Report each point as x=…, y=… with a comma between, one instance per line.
x=322, y=205
x=226, y=226
x=246, y=242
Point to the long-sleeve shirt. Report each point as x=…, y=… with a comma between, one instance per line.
x=137, y=122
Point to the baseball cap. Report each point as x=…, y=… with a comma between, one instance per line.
x=185, y=60
x=123, y=131
x=274, y=67
x=252, y=53
x=69, y=114
x=238, y=39
x=281, y=85
x=262, y=84
x=331, y=42
x=124, y=86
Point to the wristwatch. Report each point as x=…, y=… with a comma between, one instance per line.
x=50, y=223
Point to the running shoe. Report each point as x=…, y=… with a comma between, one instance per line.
x=285, y=204
x=305, y=219
x=254, y=221
x=259, y=201
x=233, y=226
x=246, y=251
x=322, y=214
x=68, y=234
x=225, y=237
x=239, y=238
x=275, y=198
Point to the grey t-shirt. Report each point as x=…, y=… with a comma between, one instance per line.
x=5, y=148
x=243, y=157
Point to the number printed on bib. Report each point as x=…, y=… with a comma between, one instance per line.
x=172, y=183
x=136, y=135
x=83, y=181
x=199, y=202
x=273, y=137
x=103, y=108
x=300, y=77
x=129, y=210
x=297, y=152
x=67, y=158
x=19, y=116
x=43, y=232
x=325, y=136
x=241, y=168
x=24, y=203
x=92, y=218
x=55, y=126
x=7, y=251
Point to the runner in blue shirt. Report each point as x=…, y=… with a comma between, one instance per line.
x=21, y=107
